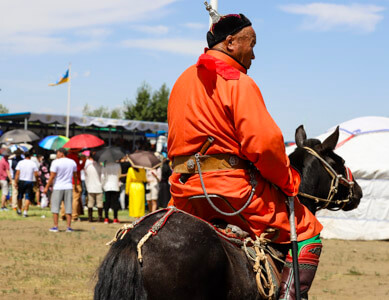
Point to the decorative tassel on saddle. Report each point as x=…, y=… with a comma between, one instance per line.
x=152, y=231
x=266, y=274
x=258, y=251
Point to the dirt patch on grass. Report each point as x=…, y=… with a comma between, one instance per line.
x=38, y=264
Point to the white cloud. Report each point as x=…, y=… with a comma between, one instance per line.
x=38, y=44
x=178, y=46
x=196, y=26
x=325, y=16
x=93, y=32
x=87, y=73
x=46, y=20
x=157, y=30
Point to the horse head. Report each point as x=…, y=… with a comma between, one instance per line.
x=325, y=180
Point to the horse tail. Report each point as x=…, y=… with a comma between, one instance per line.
x=119, y=275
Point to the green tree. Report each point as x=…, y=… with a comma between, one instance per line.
x=102, y=112
x=149, y=106
x=3, y=109
x=159, y=104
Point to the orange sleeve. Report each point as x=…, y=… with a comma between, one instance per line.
x=260, y=138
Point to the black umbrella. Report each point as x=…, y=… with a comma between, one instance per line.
x=18, y=136
x=144, y=159
x=109, y=154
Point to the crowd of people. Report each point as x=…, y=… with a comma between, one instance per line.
x=74, y=183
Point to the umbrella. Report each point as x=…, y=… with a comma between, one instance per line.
x=109, y=154
x=18, y=148
x=18, y=136
x=84, y=141
x=53, y=142
x=25, y=145
x=144, y=159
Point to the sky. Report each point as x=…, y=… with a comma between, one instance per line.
x=317, y=63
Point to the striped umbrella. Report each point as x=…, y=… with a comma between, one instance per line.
x=19, y=148
x=53, y=142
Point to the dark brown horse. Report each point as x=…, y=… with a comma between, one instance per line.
x=188, y=260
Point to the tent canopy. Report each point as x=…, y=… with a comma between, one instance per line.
x=86, y=121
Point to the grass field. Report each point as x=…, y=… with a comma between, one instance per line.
x=38, y=264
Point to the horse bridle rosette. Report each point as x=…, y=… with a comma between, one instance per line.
x=336, y=180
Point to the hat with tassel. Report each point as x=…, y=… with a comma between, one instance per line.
x=223, y=26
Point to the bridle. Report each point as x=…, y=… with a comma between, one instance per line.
x=336, y=180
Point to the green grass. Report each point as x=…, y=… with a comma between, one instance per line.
x=36, y=212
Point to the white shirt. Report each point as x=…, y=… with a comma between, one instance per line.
x=151, y=176
x=82, y=172
x=110, y=177
x=36, y=161
x=27, y=169
x=64, y=167
x=93, y=177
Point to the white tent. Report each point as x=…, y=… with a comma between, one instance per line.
x=364, y=144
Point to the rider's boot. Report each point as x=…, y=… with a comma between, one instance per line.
x=308, y=260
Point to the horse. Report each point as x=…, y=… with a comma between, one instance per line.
x=315, y=160
x=187, y=259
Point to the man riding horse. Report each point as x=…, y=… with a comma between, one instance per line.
x=245, y=157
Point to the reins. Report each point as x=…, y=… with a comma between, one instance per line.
x=336, y=179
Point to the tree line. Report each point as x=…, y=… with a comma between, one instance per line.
x=149, y=105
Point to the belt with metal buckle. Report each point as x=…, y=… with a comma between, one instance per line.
x=186, y=164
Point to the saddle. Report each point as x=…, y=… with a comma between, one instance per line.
x=266, y=261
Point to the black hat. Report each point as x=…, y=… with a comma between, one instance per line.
x=227, y=25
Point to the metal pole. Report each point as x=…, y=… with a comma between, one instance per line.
x=68, y=106
x=110, y=137
x=25, y=124
x=293, y=239
x=213, y=3
x=133, y=140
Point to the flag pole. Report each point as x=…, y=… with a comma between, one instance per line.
x=68, y=106
x=214, y=6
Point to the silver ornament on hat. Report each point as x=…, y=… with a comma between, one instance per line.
x=215, y=16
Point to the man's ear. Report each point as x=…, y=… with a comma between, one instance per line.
x=229, y=42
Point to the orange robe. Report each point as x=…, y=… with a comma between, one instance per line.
x=216, y=98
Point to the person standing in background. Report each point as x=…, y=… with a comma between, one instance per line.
x=135, y=189
x=36, y=190
x=164, y=186
x=4, y=175
x=26, y=170
x=84, y=192
x=153, y=177
x=110, y=179
x=44, y=175
x=18, y=157
x=125, y=165
x=77, y=189
x=94, y=187
x=62, y=171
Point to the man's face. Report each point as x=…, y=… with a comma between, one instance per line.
x=244, y=48
x=60, y=154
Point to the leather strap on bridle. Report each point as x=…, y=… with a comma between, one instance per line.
x=336, y=179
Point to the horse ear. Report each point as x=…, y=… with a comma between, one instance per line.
x=330, y=142
x=300, y=136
